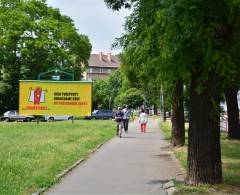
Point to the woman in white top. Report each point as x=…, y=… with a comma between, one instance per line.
x=143, y=119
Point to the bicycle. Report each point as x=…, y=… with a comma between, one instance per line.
x=119, y=128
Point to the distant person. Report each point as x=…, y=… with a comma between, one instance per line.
x=147, y=111
x=127, y=114
x=119, y=120
x=143, y=119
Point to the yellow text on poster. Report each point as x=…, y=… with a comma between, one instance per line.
x=71, y=98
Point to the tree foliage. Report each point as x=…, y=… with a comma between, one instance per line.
x=117, y=5
x=35, y=38
x=195, y=41
x=132, y=97
x=105, y=91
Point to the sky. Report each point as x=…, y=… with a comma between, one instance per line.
x=94, y=19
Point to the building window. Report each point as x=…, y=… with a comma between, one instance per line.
x=109, y=70
x=90, y=70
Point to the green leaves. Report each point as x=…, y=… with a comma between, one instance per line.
x=132, y=97
x=35, y=38
x=118, y=4
x=105, y=91
x=170, y=39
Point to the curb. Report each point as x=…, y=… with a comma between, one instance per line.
x=170, y=187
x=67, y=170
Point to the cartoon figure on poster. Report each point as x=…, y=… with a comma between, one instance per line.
x=37, y=95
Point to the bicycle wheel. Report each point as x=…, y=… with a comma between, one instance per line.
x=120, y=130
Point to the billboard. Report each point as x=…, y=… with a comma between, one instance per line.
x=72, y=98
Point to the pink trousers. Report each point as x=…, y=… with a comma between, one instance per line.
x=143, y=127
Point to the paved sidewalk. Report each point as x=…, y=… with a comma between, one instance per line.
x=133, y=164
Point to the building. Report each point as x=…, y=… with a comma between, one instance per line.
x=100, y=66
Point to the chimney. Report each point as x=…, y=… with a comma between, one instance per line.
x=100, y=57
x=109, y=57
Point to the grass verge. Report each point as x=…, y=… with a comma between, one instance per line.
x=230, y=163
x=32, y=155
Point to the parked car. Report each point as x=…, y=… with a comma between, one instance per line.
x=102, y=114
x=57, y=118
x=13, y=115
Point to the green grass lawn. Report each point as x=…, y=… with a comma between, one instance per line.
x=32, y=155
x=230, y=163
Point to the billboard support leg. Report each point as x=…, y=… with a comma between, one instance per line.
x=72, y=119
x=37, y=120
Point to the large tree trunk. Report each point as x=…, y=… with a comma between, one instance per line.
x=233, y=113
x=155, y=109
x=164, y=114
x=204, y=154
x=178, y=129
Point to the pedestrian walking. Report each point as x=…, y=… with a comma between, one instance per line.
x=119, y=120
x=143, y=119
x=127, y=114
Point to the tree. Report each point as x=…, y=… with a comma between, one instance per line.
x=35, y=38
x=198, y=49
x=141, y=74
x=140, y=56
x=118, y=4
x=178, y=128
x=194, y=39
x=233, y=113
x=99, y=94
x=232, y=84
x=105, y=91
x=142, y=63
x=132, y=97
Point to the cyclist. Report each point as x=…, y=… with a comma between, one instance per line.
x=119, y=120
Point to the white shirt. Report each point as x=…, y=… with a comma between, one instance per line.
x=126, y=113
x=143, y=118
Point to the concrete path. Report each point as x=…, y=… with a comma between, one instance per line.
x=133, y=164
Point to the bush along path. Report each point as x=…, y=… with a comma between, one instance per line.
x=136, y=163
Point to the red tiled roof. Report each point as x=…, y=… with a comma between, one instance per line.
x=95, y=62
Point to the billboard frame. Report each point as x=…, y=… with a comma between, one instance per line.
x=58, y=81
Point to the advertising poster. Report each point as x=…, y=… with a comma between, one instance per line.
x=73, y=98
